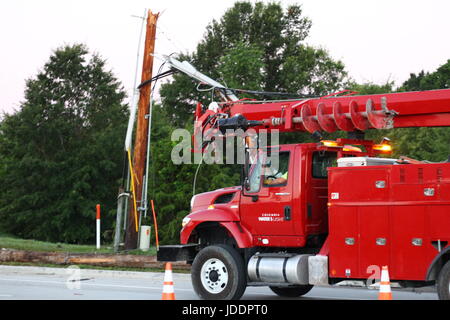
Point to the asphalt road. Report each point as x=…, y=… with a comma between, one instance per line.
x=34, y=283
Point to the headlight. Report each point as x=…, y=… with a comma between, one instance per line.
x=192, y=202
x=185, y=221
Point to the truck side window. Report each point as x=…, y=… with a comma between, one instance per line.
x=321, y=161
x=276, y=174
x=255, y=175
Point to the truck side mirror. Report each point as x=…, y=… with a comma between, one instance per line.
x=246, y=184
x=245, y=172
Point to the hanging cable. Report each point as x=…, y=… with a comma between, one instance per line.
x=196, y=173
x=180, y=47
x=144, y=202
x=133, y=191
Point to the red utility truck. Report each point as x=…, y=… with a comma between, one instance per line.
x=335, y=211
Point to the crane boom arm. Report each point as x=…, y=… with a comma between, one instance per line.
x=192, y=72
x=350, y=113
x=329, y=114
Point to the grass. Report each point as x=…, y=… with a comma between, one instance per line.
x=11, y=242
x=91, y=267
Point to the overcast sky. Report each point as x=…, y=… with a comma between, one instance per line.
x=377, y=40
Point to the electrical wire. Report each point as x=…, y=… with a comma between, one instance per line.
x=196, y=173
x=271, y=94
x=145, y=202
x=180, y=47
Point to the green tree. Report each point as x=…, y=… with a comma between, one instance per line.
x=255, y=46
x=440, y=79
x=171, y=185
x=431, y=144
x=242, y=66
x=372, y=88
x=62, y=152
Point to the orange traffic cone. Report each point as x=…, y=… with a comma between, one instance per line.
x=168, y=292
x=385, y=285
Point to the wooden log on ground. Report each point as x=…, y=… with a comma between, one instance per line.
x=102, y=260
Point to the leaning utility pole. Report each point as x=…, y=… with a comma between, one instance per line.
x=140, y=147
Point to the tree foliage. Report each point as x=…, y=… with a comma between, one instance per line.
x=255, y=46
x=431, y=144
x=61, y=153
x=171, y=185
x=242, y=66
x=439, y=79
x=422, y=143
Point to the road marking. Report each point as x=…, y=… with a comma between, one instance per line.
x=248, y=293
x=306, y=296
x=92, y=284
x=334, y=298
x=155, y=288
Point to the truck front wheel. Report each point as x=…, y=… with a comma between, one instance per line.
x=292, y=292
x=218, y=273
x=443, y=282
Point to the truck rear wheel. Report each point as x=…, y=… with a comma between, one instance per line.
x=218, y=273
x=443, y=282
x=292, y=292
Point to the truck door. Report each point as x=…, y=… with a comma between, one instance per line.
x=266, y=206
x=317, y=191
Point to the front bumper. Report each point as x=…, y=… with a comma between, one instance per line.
x=180, y=252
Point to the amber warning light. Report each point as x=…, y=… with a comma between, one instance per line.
x=385, y=146
x=330, y=143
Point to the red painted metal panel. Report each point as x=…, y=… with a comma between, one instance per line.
x=315, y=201
x=412, y=215
x=344, y=226
x=279, y=241
x=410, y=261
x=375, y=241
x=359, y=184
x=439, y=223
x=242, y=236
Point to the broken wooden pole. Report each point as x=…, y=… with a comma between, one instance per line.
x=140, y=146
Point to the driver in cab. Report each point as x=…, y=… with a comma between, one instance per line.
x=277, y=177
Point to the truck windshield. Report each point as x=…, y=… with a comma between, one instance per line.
x=321, y=161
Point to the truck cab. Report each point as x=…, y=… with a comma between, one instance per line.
x=281, y=206
x=282, y=203
x=285, y=205
x=317, y=214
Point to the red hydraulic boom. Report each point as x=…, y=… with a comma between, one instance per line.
x=332, y=113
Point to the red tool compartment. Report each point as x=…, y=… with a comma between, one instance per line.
x=394, y=215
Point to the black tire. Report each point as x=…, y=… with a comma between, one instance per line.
x=292, y=292
x=224, y=275
x=443, y=282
